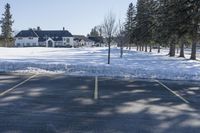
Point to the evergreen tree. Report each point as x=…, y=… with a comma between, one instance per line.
x=94, y=32
x=6, y=24
x=130, y=24
x=139, y=23
x=194, y=17
x=166, y=22
x=145, y=22
x=171, y=25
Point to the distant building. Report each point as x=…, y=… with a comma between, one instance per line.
x=97, y=40
x=81, y=40
x=44, y=38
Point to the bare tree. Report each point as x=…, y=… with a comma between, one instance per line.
x=109, y=29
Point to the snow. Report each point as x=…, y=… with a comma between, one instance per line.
x=93, y=62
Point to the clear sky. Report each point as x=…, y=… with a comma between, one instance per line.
x=77, y=16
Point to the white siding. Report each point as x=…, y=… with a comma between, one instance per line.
x=26, y=41
x=70, y=42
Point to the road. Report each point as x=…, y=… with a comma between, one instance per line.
x=67, y=104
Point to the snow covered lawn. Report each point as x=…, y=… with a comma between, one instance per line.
x=93, y=61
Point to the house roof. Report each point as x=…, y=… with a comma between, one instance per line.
x=82, y=37
x=53, y=33
x=96, y=39
x=27, y=33
x=43, y=35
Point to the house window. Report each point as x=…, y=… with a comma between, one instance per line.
x=18, y=44
x=31, y=38
x=20, y=38
x=27, y=44
x=67, y=40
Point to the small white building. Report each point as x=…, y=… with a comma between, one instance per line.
x=98, y=41
x=81, y=40
x=47, y=38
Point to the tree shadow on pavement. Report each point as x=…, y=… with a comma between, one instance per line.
x=63, y=104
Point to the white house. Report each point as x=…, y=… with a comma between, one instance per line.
x=47, y=38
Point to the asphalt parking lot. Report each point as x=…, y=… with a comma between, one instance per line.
x=68, y=104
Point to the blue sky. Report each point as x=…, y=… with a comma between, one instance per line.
x=78, y=16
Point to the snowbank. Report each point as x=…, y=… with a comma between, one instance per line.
x=92, y=62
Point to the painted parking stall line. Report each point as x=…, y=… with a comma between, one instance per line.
x=173, y=92
x=96, y=88
x=14, y=87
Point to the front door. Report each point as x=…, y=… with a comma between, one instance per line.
x=50, y=43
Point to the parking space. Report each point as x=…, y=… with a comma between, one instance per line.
x=59, y=103
x=187, y=89
x=8, y=80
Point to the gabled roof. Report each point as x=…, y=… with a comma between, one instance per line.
x=27, y=33
x=54, y=34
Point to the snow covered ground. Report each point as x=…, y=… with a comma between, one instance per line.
x=165, y=51
x=93, y=62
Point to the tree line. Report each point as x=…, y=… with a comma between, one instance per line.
x=168, y=23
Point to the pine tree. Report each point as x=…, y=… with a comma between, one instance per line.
x=6, y=24
x=94, y=32
x=139, y=31
x=130, y=24
x=168, y=22
x=194, y=17
x=145, y=22
x=177, y=21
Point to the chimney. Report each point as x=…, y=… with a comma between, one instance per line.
x=38, y=28
x=63, y=28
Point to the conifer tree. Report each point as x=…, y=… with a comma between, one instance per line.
x=194, y=17
x=6, y=24
x=130, y=24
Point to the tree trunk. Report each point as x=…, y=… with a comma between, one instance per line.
x=142, y=47
x=158, y=48
x=121, y=53
x=137, y=47
x=150, y=48
x=172, y=50
x=6, y=45
x=145, y=47
x=108, y=52
x=193, y=53
x=182, y=49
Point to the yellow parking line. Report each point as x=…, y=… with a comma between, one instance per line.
x=14, y=87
